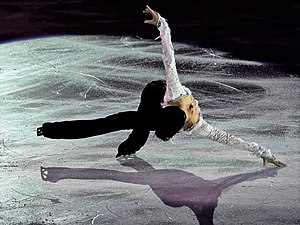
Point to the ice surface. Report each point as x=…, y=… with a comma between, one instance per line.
x=82, y=77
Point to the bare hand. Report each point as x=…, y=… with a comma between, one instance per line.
x=154, y=14
x=274, y=161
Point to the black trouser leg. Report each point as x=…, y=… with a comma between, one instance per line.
x=134, y=142
x=88, y=128
x=150, y=107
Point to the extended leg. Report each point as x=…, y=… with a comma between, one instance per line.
x=88, y=128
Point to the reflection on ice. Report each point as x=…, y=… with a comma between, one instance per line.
x=175, y=188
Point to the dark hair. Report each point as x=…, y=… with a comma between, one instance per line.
x=171, y=121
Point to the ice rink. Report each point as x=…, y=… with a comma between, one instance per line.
x=184, y=181
x=85, y=59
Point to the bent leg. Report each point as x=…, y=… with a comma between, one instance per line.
x=88, y=128
x=134, y=142
x=150, y=107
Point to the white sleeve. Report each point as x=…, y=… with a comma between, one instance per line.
x=174, y=87
x=204, y=129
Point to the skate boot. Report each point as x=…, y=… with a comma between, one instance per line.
x=39, y=131
x=123, y=150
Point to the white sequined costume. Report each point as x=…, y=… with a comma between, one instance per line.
x=176, y=89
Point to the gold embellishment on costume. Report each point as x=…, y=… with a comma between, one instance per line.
x=188, y=104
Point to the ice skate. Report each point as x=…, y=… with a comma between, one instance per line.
x=125, y=155
x=126, y=149
x=39, y=131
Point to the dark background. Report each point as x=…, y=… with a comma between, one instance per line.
x=262, y=30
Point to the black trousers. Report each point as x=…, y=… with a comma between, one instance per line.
x=142, y=121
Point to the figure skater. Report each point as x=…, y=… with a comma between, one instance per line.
x=166, y=107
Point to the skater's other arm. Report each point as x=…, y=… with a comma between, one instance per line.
x=205, y=129
x=176, y=94
x=174, y=87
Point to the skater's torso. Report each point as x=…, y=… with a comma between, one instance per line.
x=189, y=105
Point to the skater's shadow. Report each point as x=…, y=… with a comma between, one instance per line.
x=174, y=187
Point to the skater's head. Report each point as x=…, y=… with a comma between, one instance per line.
x=190, y=106
x=171, y=122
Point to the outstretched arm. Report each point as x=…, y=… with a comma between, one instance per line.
x=225, y=182
x=207, y=130
x=174, y=87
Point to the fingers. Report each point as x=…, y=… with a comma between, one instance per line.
x=154, y=14
x=148, y=10
x=152, y=22
x=279, y=164
x=274, y=161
